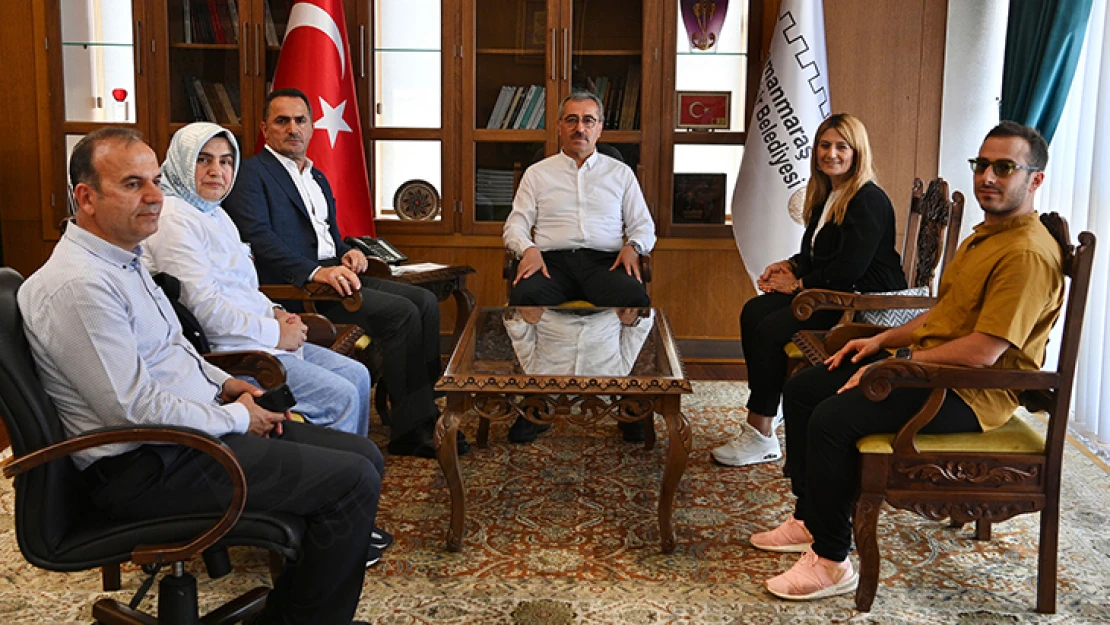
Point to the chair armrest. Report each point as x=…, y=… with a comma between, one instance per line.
x=645, y=268
x=321, y=331
x=265, y=368
x=881, y=378
x=810, y=301
x=312, y=292
x=508, y=265
x=840, y=334
x=378, y=268
x=189, y=437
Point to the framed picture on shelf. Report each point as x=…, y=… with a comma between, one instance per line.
x=531, y=30
x=699, y=199
x=703, y=110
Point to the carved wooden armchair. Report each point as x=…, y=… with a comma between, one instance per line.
x=932, y=238
x=345, y=338
x=982, y=477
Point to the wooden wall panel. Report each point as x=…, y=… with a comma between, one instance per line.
x=702, y=289
x=886, y=66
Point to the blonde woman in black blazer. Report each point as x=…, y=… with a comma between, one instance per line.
x=848, y=246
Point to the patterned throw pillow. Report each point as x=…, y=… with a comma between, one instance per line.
x=893, y=317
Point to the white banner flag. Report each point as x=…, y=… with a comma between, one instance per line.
x=792, y=102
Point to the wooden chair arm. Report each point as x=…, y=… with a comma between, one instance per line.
x=508, y=265
x=311, y=292
x=377, y=268
x=810, y=301
x=839, y=335
x=881, y=378
x=645, y=268
x=263, y=367
x=189, y=437
x=321, y=331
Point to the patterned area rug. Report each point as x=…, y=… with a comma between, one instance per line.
x=564, y=531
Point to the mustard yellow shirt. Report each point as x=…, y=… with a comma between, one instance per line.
x=1006, y=280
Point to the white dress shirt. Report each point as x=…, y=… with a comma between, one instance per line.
x=313, y=197
x=109, y=349
x=595, y=206
x=595, y=343
x=219, y=283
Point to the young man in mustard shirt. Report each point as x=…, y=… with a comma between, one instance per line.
x=998, y=299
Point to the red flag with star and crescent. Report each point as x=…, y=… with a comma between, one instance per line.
x=315, y=58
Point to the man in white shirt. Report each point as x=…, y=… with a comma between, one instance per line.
x=589, y=218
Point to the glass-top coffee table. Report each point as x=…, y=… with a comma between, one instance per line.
x=583, y=365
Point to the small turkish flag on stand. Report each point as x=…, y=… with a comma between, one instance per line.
x=315, y=59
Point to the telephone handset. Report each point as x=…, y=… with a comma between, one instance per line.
x=378, y=248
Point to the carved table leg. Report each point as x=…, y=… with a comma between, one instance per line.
x=678, y=449
x=464, y=305
x=447, y=452
x=865, y=523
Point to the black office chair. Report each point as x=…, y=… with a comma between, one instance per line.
x=59, y=528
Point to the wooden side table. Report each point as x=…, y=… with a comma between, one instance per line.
x=444, y=281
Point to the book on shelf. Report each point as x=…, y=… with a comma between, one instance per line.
x=213, y=95
x=233, y=14
x=194, y=101
x=526, y=109
x=518, y=93
x=187, y=21
x=230, y=30
x=535, y=120
x=230, y=115
x=500, y=106
x=631, y=101
x=271, y=29
x=214, y=22
x=205, y=104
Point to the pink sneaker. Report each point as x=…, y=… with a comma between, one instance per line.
x=790, y=537
x=814, y=577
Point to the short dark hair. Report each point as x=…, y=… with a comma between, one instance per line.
x=81, y=168
x=288, y=92
x=1038, y=147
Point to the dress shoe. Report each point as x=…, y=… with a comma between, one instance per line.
x=420, y=443
x=524, y=431
x=632, y=432
x=373, y=556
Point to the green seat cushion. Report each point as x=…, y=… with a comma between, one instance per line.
x=1016, y=437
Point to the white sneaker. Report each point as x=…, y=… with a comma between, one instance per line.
x=751, y=447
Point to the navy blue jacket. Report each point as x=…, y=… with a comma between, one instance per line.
x=270, y=215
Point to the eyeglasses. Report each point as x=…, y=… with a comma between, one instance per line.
x=1002, y=168
x=588, y=121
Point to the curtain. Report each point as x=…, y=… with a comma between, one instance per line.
x=1077, y=187
x=1043, y=42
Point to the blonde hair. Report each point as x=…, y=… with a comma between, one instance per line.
x=860, y=173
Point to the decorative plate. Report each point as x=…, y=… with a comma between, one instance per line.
x=416, y=200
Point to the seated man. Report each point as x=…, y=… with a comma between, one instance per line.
x=590, y=220
x=998, y=299
x=285, y=210
x=110, y=352
x=198, y=244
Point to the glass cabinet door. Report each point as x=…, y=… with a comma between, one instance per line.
x=100, y=62
x=406, y=95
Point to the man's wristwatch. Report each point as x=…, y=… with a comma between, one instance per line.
x=636, y=246
x=904, y=353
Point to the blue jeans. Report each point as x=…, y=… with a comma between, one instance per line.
x=332, y=391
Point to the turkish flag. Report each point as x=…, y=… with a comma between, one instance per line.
x=315, y=58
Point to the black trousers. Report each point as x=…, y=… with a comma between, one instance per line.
x=405, y=319
x=580, y=274
x=767, y=324
x=822, y=428
x=331, y=479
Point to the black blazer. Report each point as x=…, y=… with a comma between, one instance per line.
x=857, y=255
x=267, y=208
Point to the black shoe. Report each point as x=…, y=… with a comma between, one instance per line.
x=373, y=556
x=380, y=539
x=416, y=443
x=632, y=432
x=524, y=431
